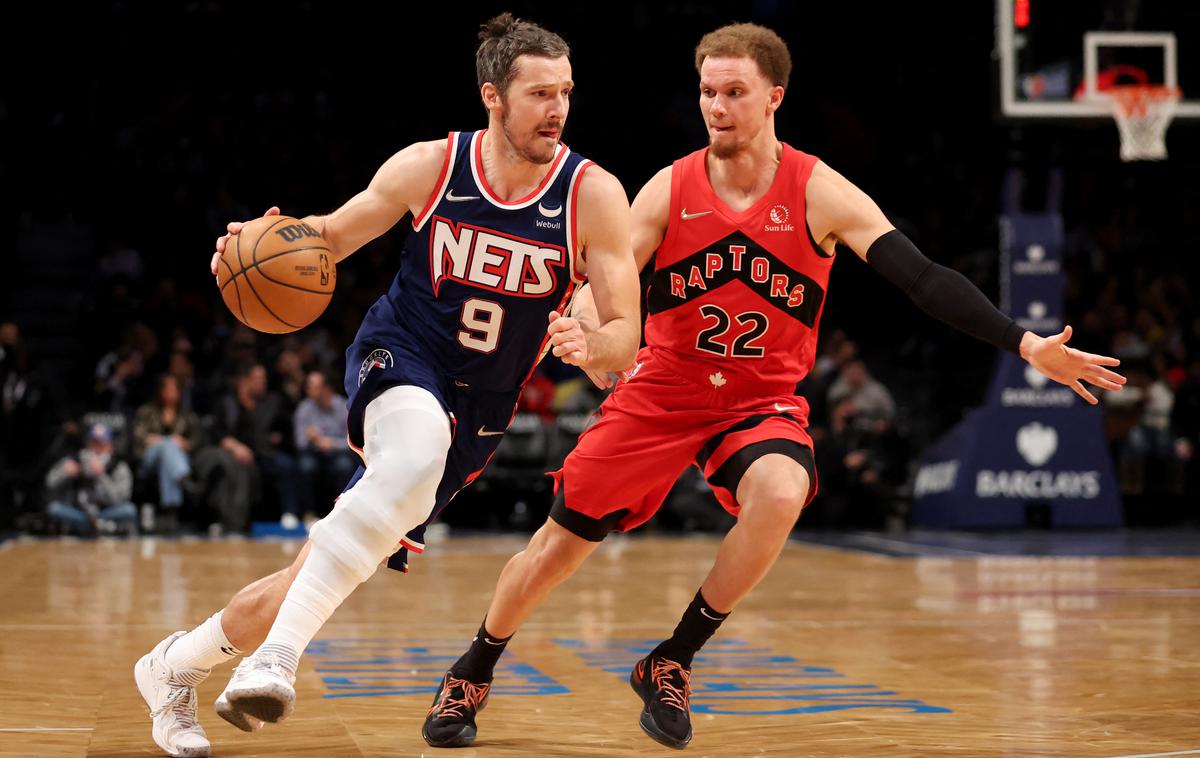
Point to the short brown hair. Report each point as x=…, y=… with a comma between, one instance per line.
x=503, y=39
x=758, y=43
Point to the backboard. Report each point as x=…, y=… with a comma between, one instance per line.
x=1057, y=57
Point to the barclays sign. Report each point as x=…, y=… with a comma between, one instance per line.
x=1033, y=441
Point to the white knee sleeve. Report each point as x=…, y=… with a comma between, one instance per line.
x=407, y=436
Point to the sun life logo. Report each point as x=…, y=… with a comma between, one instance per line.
x=779, y=215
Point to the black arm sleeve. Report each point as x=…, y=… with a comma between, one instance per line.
x=943, y=293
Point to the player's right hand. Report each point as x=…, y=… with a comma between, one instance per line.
x=234, y=228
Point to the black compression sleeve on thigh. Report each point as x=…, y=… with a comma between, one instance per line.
x=943, y=293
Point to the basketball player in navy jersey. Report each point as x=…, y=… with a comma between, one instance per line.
x=743, y=235
x=506, y=222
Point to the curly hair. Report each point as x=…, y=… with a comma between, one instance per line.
x=503, y=39
x=758, y=43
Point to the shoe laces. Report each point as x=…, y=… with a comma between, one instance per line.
x=472, y=696
x=673, y=682
x=181, y=701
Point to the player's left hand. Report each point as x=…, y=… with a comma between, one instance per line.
x=567, y=339
x=602, y=379
x=1066, y=365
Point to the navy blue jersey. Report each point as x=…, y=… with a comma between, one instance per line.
x=466, y=316
x=479, y=275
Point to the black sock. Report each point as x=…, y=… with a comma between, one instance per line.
x=477, y=664
x=699, y=622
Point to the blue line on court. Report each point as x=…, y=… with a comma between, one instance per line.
x=742, y=680
x=378, y=667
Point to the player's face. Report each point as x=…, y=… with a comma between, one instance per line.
x=736, y=100
x=534, y=110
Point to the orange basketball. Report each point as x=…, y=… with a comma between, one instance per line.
x=277, y=275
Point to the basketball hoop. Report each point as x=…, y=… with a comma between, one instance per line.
x=1143, y=113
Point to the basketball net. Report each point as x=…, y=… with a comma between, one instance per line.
x=1143, y=114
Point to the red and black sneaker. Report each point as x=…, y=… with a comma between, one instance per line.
x=665, y=688
x=451, y=720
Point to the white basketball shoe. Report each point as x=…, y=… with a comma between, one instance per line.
x=261, y=688
x=171, y=697
x=243, y=721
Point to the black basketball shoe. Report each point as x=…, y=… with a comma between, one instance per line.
x=665, y=687
x=451, y=720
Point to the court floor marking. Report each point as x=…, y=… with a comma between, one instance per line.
x=48, y=729
x=912, y=548
x=1158, y=755
x=468, y=628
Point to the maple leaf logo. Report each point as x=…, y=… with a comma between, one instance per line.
x=716, y=379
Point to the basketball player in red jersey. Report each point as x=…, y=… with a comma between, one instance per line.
x=743, y=234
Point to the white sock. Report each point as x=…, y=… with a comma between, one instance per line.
x=320, y=587
x=203, y=647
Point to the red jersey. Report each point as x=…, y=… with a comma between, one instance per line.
x=737, y=297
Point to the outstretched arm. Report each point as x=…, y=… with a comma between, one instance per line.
x=402, y=184
x=838, y=211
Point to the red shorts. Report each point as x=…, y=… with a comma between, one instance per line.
x=654, y=426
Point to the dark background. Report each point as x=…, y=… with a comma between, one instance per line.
x=151, y=125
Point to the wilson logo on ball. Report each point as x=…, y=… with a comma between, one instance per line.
x=296, y=232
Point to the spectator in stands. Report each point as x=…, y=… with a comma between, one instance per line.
x=1185, y=426
x=181, y=369
x=28, y=421
x=290, y=380
x=323, y=454
x=870, y=399
x=164, y=435
x=538, y=396
x=89, y=492
x=253, y=436
x=121, y=376
x=1151, y=437
x=836, y=352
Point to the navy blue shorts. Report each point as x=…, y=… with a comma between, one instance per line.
x=478, y=419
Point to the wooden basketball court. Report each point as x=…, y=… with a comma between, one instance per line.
x=837, y=653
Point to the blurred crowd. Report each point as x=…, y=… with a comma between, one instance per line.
x=127, y=388
x=215, y=428
x=204, y=428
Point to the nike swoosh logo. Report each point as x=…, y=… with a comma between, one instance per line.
x=483, y=432
x=704, y=611
x=683, y=214
x=460, y=198
x=549, y=212
x=782, y=408
x=494, y=644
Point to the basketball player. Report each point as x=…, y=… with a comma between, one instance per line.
x=505, y=224
x=743, y=234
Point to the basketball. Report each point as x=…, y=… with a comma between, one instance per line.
x=277, y=275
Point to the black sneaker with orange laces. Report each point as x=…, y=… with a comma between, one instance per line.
x=451, y=720
x=665, y=688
